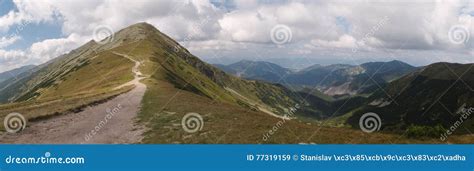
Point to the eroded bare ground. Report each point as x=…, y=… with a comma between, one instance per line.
x=112, y=122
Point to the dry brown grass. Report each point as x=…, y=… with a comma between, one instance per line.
x=36, y=110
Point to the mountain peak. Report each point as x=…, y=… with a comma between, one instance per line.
x=130, y=34
x=399, y=63
x=142, y=26
x=249, y=62
x=245, y=61
x=136, y=31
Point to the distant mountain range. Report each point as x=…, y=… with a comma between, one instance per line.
x=15, y=72
x=337, y=79
x=259, y=70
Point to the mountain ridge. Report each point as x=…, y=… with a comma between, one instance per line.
x=430, y=96
x=15, y=72
x=334, y=79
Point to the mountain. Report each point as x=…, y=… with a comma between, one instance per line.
x=15, y=72
x=66, y=76
x=70, y=75
x=349, y=79
x=256, y=70
x=230, y=109
x=387, y=71
x=429, y=97
x=336, y=79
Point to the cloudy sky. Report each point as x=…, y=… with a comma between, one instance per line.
x=221, y=31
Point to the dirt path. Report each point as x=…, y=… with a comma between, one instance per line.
x=137, y=74
x=112, y=122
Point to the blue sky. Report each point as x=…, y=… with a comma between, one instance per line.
x=31, y=33
x=6, y=6
x=35, y=33
x=220, y=31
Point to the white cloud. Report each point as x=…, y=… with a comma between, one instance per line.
x=317, y=27
x=7, y=41
x=345, y=41
x=39, y=52
x=11, y=56
x=12, y=59
x=304, y=20
x=51, y=48
x=176, y=18
x=247, y=26
x=28, y=11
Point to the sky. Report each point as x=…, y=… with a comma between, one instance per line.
x=418, y=32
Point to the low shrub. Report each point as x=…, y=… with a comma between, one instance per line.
x=418, y=131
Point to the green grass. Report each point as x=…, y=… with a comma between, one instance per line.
x=164, y=106
x=101, y=73
x=230, y=124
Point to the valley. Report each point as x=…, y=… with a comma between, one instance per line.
x=333, y=80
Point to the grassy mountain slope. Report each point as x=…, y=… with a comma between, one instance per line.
x=70, y=76
x=84, y=77
x=67, y=84
x=428, y=97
